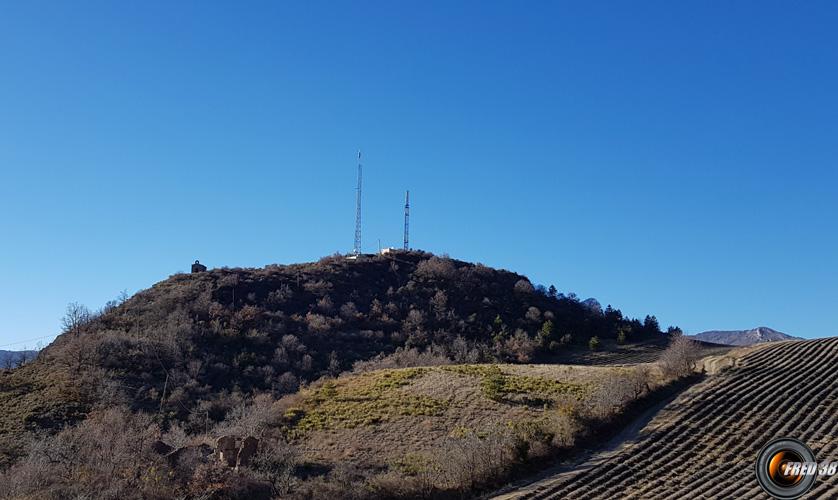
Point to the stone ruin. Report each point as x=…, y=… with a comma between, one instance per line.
x=197, y=267
x=229, y=450
x=234, y=452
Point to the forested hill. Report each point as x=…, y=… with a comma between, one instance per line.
x=193, y=345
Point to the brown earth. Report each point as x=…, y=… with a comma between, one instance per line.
x=393, y=429
x=704, y=443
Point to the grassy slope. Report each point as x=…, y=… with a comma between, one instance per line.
x=381, y=419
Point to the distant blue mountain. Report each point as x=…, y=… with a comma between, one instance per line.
x=13, y=358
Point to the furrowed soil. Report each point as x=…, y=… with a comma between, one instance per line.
x=704, y=443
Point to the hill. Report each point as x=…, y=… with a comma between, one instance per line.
x=192, y=349
x=703, y=444
x=743, y=337
x=450, y=428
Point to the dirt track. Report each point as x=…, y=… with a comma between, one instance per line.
x=704, y=443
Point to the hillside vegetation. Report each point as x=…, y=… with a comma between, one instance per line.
x=198, y=355
x=220, y=335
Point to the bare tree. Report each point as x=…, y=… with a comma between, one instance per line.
x=275, y=463
x=22, y=358
x=523, y=286
x=678, y=360
x=609, y=397
x=77, y=315
x=639, y=378
x=439, y=304
x=334, y=364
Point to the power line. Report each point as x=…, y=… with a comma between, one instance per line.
x=28, y=340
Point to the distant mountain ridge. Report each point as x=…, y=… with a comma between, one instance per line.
x=9, y=359
x=743, y=337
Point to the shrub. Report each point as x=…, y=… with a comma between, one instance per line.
x=545, y=334
x=678, y=360
x=106, y=456
x=334, y=364
x=292, y=344
x=609, y=397
x=621, y=336
x=251, y=418
x=412, y=476
x=523, y=286
x=564, y=424
x=319, y=287
x=280, y=295
x=349, y=312
x=474, y=461
x=493, y=384
x=519, y=346
x=594, y=343
x=275, y=463
x=287, y=383
x=415, y=321
x=404, y=358
x=435, y=268
x=325, y=305
x=439, y=303
x=640, y=380
x=463, y=351
x=317, y=323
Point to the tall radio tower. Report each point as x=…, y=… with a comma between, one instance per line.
x=357, y=249
x=406, y=218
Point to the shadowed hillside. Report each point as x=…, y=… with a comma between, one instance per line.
x=194, y=346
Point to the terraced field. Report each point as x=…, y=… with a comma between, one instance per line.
x=704, y=443
x=646, y=351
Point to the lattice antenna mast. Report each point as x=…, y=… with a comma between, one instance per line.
x=406, y=219
x=357, y=248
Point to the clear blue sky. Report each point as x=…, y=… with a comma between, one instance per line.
x=674, y=158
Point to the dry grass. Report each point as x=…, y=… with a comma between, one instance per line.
x=364, y=400
x=389, y=419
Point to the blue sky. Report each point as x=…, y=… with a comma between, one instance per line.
x=669, y=158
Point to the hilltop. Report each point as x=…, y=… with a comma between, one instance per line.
x=743, y=337
x=192, y=348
